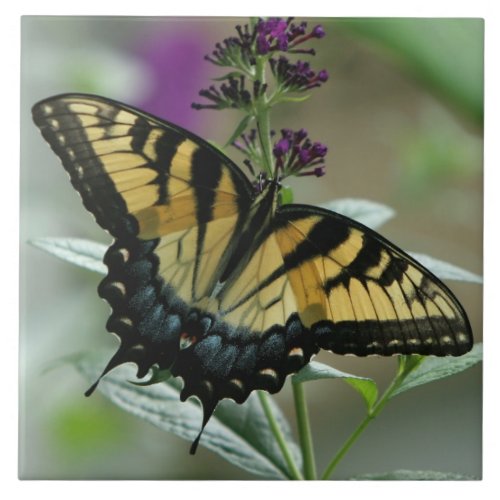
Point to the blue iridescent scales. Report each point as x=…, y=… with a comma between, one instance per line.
x=220, y=284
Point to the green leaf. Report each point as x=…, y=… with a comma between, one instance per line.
x=408, y=363
x=367, y=212
x=413, y=475
x=434, y=368
x=286, y=195
x=367, y=388
x=239, y=129
x=444, y=270
x=317, y=371
x=238, y=433
x=83, y=253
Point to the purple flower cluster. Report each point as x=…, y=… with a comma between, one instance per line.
x=248, y=54
x=298, y=76
x=232, y=94
x=297, y=155
x=276, y=34
x=241, y=52
x=235, y=51
x=248, y=144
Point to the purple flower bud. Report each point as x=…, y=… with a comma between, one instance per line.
x=301, y=135
x=323, y=75
x=302, y=68
x=281, y=148
x=261, y=25
x=278, y=28
x=262, y=44
x=318, y=31
x=304, y=156
x=282, y=42
x=319, y=149
x=287, y=133
x=299, y=30
x=318, y=172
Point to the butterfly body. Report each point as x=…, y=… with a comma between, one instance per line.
x=209, y=277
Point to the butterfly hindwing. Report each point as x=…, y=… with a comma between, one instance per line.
x=347, y=290
x=373, y=297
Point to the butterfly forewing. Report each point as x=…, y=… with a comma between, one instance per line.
x=142, y=177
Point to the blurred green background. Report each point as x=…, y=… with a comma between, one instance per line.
x=402, y=117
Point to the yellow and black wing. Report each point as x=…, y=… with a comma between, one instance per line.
x=360, y=294
x=146, y=180
x=320, y=280
x=174, y=205
x=192, y=291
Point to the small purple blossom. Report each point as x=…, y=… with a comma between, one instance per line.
x=263, y=45
x=282, y=42
x=301, y=134
x=319, y=149
x=317, y=171
x=318, y=31
x=323, y=76
x=281, y=147
x=273, y=26
x=305, y=156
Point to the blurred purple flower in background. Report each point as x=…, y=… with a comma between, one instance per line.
x=174, y=57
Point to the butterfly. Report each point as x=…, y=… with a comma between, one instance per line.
x=212, y=279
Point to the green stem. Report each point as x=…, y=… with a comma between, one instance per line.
x=280, y=439
x=305, y=436
x=372, y=413
x=352, y=438
x=263, y=119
